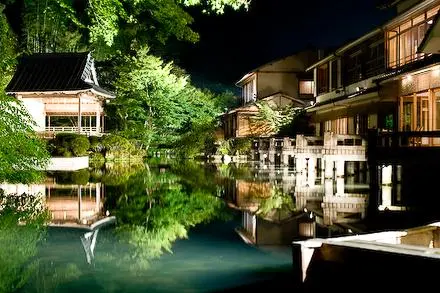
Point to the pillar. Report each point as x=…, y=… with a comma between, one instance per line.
x=299, y=164
x=340, y=164
x=340, y=186
x=98, y=196
x=79, y=203
x=79, y=114
x=285, y=160
x=328, y=172
x=312, y=165
x=387, y=172
x=328, y=188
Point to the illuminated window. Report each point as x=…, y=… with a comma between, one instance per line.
x=404, y=40
x=306, y=87
x=249, y=91
x=323, y=79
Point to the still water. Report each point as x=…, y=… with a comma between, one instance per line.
x=166, y=227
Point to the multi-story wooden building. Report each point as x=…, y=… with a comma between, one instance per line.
x=280, y=83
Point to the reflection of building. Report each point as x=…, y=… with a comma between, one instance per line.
x=74, y=204
x=332, y=201
x=247, y=195
x=341, y=206
x=69, y=205
x=61, y=92
x=279, y=227
x=280, y=83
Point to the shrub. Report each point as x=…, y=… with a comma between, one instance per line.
x=96, y=144
x=69, y=144
x=79, y=145
x=117, y=146
x=96, y=160
x=80, y=177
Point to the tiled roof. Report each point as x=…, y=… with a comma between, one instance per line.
x=55, y=72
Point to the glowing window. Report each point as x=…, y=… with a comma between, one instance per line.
x=306, y=87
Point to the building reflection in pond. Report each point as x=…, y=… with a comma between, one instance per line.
x=266, y=203
x=70, y=205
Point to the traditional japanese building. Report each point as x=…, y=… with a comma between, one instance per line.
x=61, y=93
x=280, y=83
x=388, y=79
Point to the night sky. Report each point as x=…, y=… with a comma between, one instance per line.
x=234, y=43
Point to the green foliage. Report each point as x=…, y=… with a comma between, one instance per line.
x=51, y=26
x=278, y=201
x=7, y=49
x=80, y=177
x=70, y=144
x=154, y=210
x=96, y=144
x=300, y=124
x=79, y=145
x=22, y=229
x=271, y=119
x=235, y=146
x=155, y=104
x=96, y=160
x=117, y=146
x=22, y=153
x=218, y=6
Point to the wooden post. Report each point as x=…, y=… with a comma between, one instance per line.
x=98, y=120
x=79, y=203
x=79, y=114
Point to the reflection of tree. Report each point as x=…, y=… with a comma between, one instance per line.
x=277, y=202
x=153, y=210
x=22, y=222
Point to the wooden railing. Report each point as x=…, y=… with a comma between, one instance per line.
x=73, y=129
x=405, y=139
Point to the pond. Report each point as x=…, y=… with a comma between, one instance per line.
x=168, y=227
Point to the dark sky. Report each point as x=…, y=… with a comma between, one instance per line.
x=236, y=42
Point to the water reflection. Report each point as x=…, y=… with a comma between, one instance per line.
x=157, y=205
x=70, y=205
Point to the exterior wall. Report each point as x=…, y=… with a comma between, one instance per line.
x=36, y=109
x=68, y=164
x=269, y=83
x=57, y=105
x=420, y=82
x=272, y=233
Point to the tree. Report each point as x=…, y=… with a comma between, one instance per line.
x=51, y=26
x=157, y=104
x=270, y=119
x=21, y=151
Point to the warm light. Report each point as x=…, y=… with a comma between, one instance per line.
x=407, y=79
x=436, y=71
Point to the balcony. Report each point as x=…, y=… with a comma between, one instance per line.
x=53, y=130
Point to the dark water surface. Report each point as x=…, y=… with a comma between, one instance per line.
x=167, y=227
x=164, y=229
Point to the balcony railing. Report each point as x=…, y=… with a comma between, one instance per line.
x=406, y=139
x=85, y=130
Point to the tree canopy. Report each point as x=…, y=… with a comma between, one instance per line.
x=21, y=151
